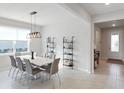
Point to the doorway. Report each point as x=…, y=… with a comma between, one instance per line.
x=109, y=40
x=113, y=45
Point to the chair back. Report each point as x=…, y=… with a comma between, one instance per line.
x=20, y=64
x=28, y=66
x=55, y=66
x=54, y=56
x=13, y=61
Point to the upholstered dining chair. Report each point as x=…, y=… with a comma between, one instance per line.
x=30, y=71
x=21, y=67
x=13, y=65
x=52, y=69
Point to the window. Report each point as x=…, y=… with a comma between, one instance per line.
x=13, y=39
x=115, y=42
x=6, y=46
x=21, y=46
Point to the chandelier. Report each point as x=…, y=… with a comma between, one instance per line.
x=34, y=33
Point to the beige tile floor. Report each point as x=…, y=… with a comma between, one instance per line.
x=107, y=76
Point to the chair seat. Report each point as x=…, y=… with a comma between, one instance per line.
x=47, y=67
x=36, y=70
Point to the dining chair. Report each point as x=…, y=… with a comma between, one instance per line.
x=52, y=69
x=13, y=65
x=20, y=66
x=30, y=71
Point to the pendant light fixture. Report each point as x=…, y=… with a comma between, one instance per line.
x=34, y=33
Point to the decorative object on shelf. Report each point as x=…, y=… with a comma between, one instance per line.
x=68, y=52
x=50, y=47
x=33, y=34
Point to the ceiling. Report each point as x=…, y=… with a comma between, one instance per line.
x=95, y=9
x=103, y=25
x=48, y=13
x=100, y=8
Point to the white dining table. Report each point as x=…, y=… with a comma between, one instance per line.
x=39, y=61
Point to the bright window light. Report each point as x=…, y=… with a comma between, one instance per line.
x=115, y=42
x=107, y=3
x=113, y=25
x=13, y=39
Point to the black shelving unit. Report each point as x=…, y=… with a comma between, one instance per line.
x=50, y=47
x=68, y=52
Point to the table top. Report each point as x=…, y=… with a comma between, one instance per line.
x=37, y=60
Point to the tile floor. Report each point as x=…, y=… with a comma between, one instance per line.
x=107, y=76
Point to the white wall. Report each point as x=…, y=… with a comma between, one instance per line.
x=79, y=25
x=4, y=63
x=78, y=28
x=104, y=46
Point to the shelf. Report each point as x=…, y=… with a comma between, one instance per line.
x=50, y=42
x=68, y=53
x=67, y=42
x=67, y=48
x=68, y=65
x=68, y=59
x=50, y=45
x=51, y=52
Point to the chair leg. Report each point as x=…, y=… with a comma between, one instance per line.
x=49, y=76
x=45, y=76
x=13, y=72
x=27, y=79
x=21, y=75
x=34, y=77
x=59, y=79
x=42, y=78
x=30, y=81
x=9, y=71
x=16, y=74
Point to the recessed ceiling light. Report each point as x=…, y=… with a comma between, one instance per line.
x=107, y=3
x=113, y=25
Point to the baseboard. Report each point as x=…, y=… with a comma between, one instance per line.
x=115, y=59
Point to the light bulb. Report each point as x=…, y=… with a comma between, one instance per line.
x=107, y=3
x=113, y=25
